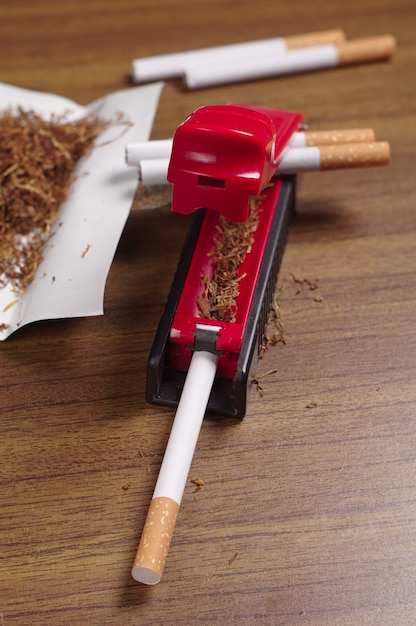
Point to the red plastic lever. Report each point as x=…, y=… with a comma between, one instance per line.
x=223, y=155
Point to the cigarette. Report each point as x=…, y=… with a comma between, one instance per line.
x=334, y=157
x=166, y=66
x=153, y=171
x=162, y=148
x=329, y=137
x=296, y=160
x=161, y=517
x=294, y=61
x=156, y=149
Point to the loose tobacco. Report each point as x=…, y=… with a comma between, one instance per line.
x=232, y=242
x=37, y=161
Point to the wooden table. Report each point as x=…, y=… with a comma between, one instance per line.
x=308, y=512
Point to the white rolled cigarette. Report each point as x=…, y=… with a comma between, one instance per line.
x=328, y=137
x=335, y=156
x=161, y=517
x=155, y=149
x=296, y=160
x=154, y=171
x=162, y=148
x=292, y=62
x=166, y=66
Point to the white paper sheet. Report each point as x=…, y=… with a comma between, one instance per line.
x=70, y=281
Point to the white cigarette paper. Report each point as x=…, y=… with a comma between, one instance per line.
x=160, y=521
x=296, y=160
x=294, y=61
x=167, y=66
x=162, y=148
x=71, y=278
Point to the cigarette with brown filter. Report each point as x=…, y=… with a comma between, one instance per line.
x=294, y=61
x=157, y=533
x=329, y=137
x=161, y=148
x=173, y=65
x=334, y=157
x=295, y=160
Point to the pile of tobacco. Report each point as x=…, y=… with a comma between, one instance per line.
x=233, y=241
x=37, y=160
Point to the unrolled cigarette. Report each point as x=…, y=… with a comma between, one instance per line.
x=314, y=39
x=296, y=160
x=294, y=61
x=155, y=540
x=160, y=521
x=165, y=66
x=162, y=148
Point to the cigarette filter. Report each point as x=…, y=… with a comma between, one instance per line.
x=310, y=138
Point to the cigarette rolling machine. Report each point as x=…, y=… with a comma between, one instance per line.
x=226, y=167
x=223, y=157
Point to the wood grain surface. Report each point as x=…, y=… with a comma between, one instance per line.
x=308, y=511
